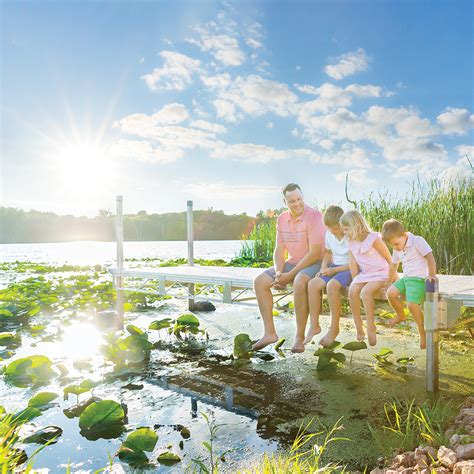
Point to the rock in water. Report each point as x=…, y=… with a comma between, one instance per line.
x=204, y=306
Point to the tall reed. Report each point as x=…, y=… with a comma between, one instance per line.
x=260, y=243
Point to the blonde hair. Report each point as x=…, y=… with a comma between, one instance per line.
x=358, y=228
x=332, y=215
x=392, y=228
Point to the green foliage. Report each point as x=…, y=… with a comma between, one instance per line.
x=328, y=359
x=242, y=346
x=104, y=419
x=84, y=387
x=168, y=458
x=132, y=349
x=260, y=243
x=408, y=425
x=132, y=451
x=47, y=435
x=186, y=325
x=32, y=370
x=161, y=324
x=42, y=399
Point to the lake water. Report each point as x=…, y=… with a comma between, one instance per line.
x=92, y=253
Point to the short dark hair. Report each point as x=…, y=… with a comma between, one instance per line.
x=290, y=187
x=332, y=215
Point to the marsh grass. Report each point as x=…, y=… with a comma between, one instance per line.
x=305, y=455
x=260, y=243
x=409, y=425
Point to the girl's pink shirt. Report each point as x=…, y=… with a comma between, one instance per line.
x=373, y=267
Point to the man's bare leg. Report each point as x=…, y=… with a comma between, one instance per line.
x=262, y=285
x=315, y=287
x=393, y=296
x=334, y=297
x=367, y=296
x=354, y=300
x=300, y=293
x=417, y=314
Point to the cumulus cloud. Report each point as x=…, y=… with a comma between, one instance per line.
x=348, y=64
x=175, y=74
x=249, y=152
x=464, y=150
x=208, y=126
x=171, y=114
x=455, y=121
x=253, y=43
x=229, y=191
x=142, y=150
x=355, y=177
x=225, y=110
x=224, y=48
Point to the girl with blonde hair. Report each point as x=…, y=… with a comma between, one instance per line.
x=369, y=263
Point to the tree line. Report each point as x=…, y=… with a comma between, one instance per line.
x=19, y=226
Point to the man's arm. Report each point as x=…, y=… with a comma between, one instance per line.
x=279, y=258
x=313, y=255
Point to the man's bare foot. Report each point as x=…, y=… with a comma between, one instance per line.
x=298, y=346
x=312, y=331
x=372, y=335
x=329, y=337
x=265, y=341
x=423, y=340
x=397, y=319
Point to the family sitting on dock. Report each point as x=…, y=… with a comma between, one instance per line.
x=338, y=251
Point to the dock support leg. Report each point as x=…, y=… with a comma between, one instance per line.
x=432, y=336
x=190, y=251
x=119, y=278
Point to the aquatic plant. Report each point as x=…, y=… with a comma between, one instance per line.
x=132, y=451
x=260, y=243
x=242, y=346
x=103, y=419
x=409, y=424
x=305, y=455
x=31, y=370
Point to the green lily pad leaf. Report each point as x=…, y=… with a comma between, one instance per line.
x=382, y=360
x=324, y=362
x=339, y=356
x=134, y=330
x=242, y=346
x=384, y=352
x=168, y=458
x=333, y=345
x=104, y=419
x=82, y=364
x=402, y=368
x=48, y=435
x=25, y=415
x=42, y=399
x=134, y=348
x=9, y=339
x=354, y=346
x=279, y=343
x=5, y=313
x=405, y=360
x=63, y=369
x=142, y=439
x=132, y=456
x=30, y=370
x=85, y=386
x=188, y=320
x=160, y=324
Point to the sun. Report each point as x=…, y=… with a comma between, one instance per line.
x=83, y=166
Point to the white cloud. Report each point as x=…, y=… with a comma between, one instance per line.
x=171, y=114
x=253, y=43
x=224, y=48
x=210, y=127
x=175, y=74
x=269, y=125
x=348, y=64
x=229, y=191
x=326, y=144
x=249, y=153
x=414, y=126
x=464, y=150
x=355, y=177
x=225, y=110
x=219, y=81
x=455, y=121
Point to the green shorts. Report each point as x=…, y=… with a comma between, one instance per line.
x=413, y=288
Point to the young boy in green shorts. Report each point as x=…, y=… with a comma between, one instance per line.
x=418, y=264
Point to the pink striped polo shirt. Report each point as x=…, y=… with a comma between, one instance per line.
x=297, y=234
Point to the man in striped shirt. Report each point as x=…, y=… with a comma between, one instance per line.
x=300, y=234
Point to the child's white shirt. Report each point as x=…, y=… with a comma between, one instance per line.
x=413, y=256
x=339, y=249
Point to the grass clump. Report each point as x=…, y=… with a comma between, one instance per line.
x=409, y=424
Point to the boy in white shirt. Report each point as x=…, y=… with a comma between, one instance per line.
x=334, y=276
x=418, y=264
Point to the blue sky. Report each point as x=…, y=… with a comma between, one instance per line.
x=226, y=102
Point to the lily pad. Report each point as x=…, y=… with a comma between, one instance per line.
x=48, y=435
x=188, y=320
x=25, y=415
x=9, y=339
x=104, y=419
x=76, y=410
x=132, y=456
x=160, y=324
x=32, y=370
x=143, y=439
x=242, y=346
x=85, y=386
x=354, y=346
x=42, y=399
x=134, y=330
x=168, y=458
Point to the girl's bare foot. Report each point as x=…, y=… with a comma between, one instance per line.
x=360, y=335
x=372, y=335
x=397, y=319
x=298, y=346
x=312, y=331
x=265, y=341
x=329, y=337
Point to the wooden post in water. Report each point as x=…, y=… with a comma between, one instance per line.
x=432, y=336
x=190, y=250
x=119, y=278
